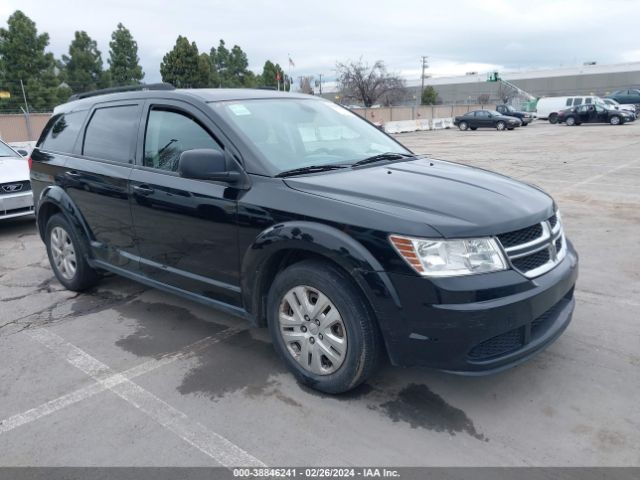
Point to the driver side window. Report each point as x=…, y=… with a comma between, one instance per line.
x=169, y=133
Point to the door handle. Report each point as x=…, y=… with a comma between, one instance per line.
x=143, y=189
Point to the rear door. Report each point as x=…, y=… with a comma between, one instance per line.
x=98, y=179
x=185, y=229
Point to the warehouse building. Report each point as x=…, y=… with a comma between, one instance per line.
x=591, y=79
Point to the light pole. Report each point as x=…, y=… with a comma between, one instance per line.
x=425, y=65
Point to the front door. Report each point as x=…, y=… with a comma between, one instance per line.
x=185, y=229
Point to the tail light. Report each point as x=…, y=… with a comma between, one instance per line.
x=29, y=161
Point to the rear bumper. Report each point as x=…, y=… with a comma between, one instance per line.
x=479, y=324
x=16, y=204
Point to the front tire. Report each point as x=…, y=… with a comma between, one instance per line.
x=68, y=255
x=570, y=121
x=615, y=120
x=322, y=328
x=500, y=126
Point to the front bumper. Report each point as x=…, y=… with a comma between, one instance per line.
x=479, y=324
x=16, y=204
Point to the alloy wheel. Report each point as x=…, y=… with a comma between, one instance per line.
x=63, y=253
x=313, y=330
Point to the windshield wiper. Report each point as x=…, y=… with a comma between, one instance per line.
x=310, y=169
x=383, y=156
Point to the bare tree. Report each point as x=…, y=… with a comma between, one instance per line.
x=367, y=84
x=483, y=98
x=305, y=85
x=506, y=93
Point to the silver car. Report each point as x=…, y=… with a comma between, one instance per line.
x=15, y=189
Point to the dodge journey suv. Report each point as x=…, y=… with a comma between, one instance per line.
x=296, y=214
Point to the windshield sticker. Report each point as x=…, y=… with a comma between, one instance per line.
x=239, y=109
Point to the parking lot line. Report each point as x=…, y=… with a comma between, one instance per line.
x=208, y=442
x=76, y=396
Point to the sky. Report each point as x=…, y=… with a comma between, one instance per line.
x=458, y=36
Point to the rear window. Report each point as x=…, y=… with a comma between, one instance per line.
x=61, y=132
x=111, y=133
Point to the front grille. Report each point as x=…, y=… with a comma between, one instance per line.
x=532, y=261
x=498, y=345
x=521, y=236
x=15, y=187
x=536, y=249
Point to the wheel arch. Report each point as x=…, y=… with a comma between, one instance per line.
x=285, y=244
x=54, y=199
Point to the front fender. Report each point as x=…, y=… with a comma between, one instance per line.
x=55, y=195
x=321, y=240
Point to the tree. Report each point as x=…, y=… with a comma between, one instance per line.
x=23, y=57
x=484, y=98
x=506, y=93
x=305, y=85
x=184, y=67
x=83, y=66
x=123, y=60
x=429, y=95
x=366, y=84
x=231, y=67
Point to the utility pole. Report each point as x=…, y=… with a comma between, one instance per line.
x=26, y=111
x=425, y=65
x=320, y=84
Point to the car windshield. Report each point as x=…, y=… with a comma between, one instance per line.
x=493, y=112
x=509, y=108
x=296, y=133
x=6, y=151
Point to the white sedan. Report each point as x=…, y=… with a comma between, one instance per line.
x=15, y=188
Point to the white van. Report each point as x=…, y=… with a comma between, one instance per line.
x=548, y=107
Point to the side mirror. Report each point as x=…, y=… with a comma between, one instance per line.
x=206, y=164
x=22, y=152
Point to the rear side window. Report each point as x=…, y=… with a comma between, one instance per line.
x=587, y=100
x=577, y=101
x=111, y=133
x=169, y=133
x=61, y=132
x=569, y=100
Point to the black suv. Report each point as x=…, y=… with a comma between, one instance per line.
x=290, y=211
x=509, y=111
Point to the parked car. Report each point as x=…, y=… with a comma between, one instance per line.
x=594, y=114
x=629, y=96
x=485, y=119
x=611, y=103
x=548, y=107
x=343, y=242
x=524, y=117
x=16, y=199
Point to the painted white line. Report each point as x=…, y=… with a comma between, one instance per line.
x=81, y=394
x=596, y=177
x=208, y=442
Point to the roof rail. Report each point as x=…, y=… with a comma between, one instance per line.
x=128, y=88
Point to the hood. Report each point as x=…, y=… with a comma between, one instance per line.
x=13, y=169
x=456, y=200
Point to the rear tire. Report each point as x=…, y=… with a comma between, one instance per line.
x=313, y=358
x=553, y=118
x=463, y=126
x=68, y=254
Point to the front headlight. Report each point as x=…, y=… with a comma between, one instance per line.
x=449, y=258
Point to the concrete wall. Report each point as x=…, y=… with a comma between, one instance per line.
x=14, y=128
x=393, y=114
